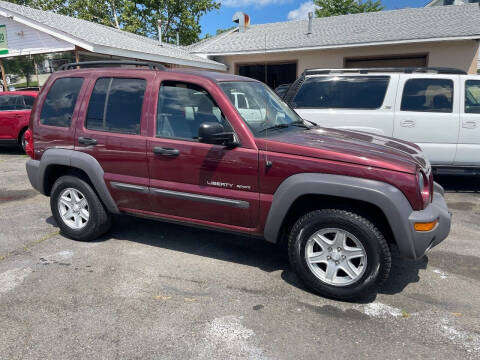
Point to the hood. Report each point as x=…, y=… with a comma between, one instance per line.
x=348, y=146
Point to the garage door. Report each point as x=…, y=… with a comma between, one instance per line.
x=407, y=61
x=277, y=74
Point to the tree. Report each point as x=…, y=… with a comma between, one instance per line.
x=344, y=7
x=136, y=16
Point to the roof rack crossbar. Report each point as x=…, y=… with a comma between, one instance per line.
x=406, y=70
x=150, y=65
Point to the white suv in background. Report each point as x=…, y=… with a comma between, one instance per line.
x=437, y=108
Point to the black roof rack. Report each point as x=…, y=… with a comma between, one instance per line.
x=87, y=64
x=406, y=70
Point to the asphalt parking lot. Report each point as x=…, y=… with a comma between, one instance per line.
x=153, y=290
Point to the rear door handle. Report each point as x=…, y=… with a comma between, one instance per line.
x=469, y=124
x=165, y=151
x=87, y=141
x=408, y=123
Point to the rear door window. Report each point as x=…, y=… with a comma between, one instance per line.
x=472, y=96
x=10, y=102
x=428, y=95
x=60, y=102
x=116, y=105
x=344, y=92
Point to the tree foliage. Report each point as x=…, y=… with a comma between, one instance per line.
x=344, y=7
x=139, y=17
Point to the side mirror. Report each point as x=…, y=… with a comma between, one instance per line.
x=214, y=133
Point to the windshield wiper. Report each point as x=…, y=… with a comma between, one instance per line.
x=300, y=124
x=275, y=127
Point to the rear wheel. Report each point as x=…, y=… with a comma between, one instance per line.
x=338, y=254
x=78, y=211
x=23, y=141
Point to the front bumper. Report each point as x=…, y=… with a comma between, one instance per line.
x=423, y=241
x=33, y=172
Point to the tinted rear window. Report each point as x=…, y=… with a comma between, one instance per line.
x=60, y=102
x=116, y=105
x=472, y=96
x=346, y=92
x=11, y=102
x=428, y=95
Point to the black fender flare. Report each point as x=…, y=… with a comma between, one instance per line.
x=38, y=169
x=386, y=197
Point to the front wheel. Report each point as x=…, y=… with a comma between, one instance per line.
x=338, y=254
x=77, y=210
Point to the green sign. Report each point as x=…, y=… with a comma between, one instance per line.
x=3, y=40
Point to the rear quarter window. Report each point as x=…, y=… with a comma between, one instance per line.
x=345, y=92
x=60, y=102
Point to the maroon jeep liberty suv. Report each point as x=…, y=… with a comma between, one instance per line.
x=224, y=152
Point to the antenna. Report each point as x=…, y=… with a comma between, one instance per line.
x=268, y=163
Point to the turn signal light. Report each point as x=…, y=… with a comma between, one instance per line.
x=425, y=226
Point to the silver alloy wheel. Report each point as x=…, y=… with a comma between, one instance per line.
x=73, y=208
x=335, y=256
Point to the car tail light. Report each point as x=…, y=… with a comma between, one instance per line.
x=424, y=188
x=29, y=148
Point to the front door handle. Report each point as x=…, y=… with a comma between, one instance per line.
x=87, y=141
x=408, y=123
x=469, y=124
x=158, y=150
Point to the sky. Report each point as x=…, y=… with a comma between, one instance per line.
x=265, y=11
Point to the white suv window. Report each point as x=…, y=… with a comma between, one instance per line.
x=342, y=92
x=428, y=95
x=472, y=96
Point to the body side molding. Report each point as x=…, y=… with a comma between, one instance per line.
x=202, y=198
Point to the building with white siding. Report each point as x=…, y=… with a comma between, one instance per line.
x=25, y=31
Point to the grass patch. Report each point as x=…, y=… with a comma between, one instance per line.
x=24, y=84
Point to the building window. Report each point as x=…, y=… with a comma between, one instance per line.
x=276, y=74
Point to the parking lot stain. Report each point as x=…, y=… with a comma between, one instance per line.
x=335, y=312
x=465, y=265
x=15, y=195
x=467, y=206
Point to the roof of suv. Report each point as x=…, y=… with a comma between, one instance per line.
x=211, y=75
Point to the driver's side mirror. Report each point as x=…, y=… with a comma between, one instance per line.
x=214, y=133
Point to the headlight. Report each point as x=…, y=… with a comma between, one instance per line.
x=424, y=188
x=421, y=182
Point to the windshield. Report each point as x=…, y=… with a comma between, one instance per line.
x=261, y=108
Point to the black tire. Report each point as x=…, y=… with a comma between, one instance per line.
x=21, y=141
x=378, y=253
x=99, y=220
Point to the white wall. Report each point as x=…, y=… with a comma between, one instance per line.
x=457, y=54
x=24, y=40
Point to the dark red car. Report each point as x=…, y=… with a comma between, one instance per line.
x=224, y=152
x=15, y=109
